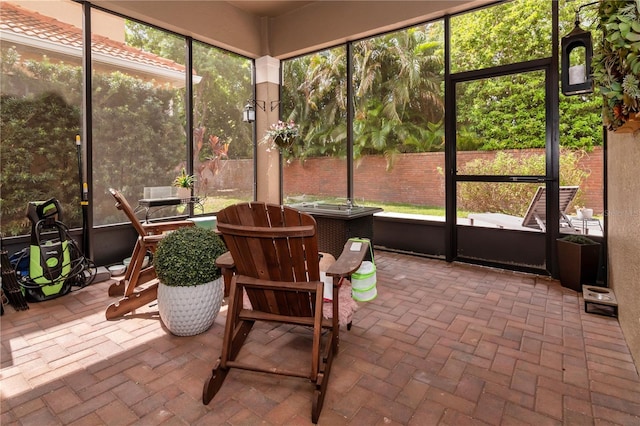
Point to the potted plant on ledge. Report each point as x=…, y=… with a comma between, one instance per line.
x=191, y=287
x=184, y=182
x=578, y=259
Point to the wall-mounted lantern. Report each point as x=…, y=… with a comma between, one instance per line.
x=249, y=111
x=249, y=114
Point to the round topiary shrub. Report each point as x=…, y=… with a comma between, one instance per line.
x=186, y=257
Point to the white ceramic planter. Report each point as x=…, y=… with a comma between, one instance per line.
x=187, y=311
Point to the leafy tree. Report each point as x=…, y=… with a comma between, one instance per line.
x=219, y=97
x=510, y=32
x=498, y=110
x=223, y=87
x=398, y=85
x=399, y=95
x=315, y=96
x=398, y=82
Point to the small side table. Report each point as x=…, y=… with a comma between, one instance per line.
x=337, y=223
x=148, y=203
x=583, y=224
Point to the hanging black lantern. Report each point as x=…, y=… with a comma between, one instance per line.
x=577, y=51
x=249, y=113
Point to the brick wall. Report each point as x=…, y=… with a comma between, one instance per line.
x=593, y=186
x=413, y=179
x=234, y=176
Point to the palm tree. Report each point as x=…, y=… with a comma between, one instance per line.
x=398, y=86
x=315, y=95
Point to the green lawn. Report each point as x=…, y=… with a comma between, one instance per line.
x=390, y=207
x=214, y=204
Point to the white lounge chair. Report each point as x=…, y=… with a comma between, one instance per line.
x=536, y=215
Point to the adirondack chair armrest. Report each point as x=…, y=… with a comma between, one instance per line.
x=152, y=239
x=225, y=261
x=160, y=227
x=227, y=266
x=349, y=260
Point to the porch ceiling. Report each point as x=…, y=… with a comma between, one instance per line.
x=284, y=28
x=268, y=8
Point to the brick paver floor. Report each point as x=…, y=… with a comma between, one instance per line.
x=443, y=344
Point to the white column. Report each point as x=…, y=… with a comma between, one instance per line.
x=268, y=163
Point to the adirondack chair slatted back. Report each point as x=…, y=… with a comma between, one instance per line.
x=123, y=205
x=274, y=243
x=149, y=234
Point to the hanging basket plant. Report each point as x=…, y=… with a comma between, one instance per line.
x=283, y=136
x=616, y=62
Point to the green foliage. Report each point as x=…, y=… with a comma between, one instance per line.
x=314, y=95
x=399, y=95
x=580, y=122
x=427, y=139
x=40, y=120
x=186, y=257
x=398, y=82
x=136, y=141
x=223, y=88
x=224, y=84
x=616, y=62
x=512, y=199
x=509, y=112
x=510, y=32
x=184, y=180
x=578, y=239
x=219, y=97
x=504, y=112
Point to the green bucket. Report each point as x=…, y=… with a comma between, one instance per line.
x=363, y=283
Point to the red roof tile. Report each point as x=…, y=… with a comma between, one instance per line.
x=32, y=24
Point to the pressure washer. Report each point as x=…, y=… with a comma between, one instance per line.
x=55, y=261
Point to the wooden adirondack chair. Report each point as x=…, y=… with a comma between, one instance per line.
x=149, y=234
x=275, y=254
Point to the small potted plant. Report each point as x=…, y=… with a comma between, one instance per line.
x=191, y=287
x=184, y=182
x=579, y=260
